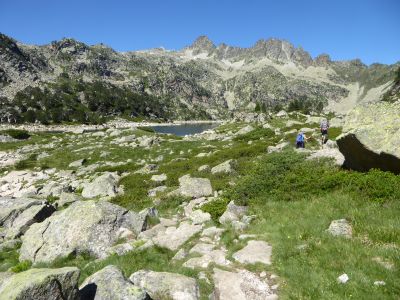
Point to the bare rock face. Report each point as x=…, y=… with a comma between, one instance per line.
x=17, y=214
x=42, y=284
x=109, y=284
x=85, y=226
x=164, y=285
x=371, y=138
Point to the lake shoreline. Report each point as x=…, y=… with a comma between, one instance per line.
x=80, y=128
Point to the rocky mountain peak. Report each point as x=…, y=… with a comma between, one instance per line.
x=203, y=44
x=323, y=59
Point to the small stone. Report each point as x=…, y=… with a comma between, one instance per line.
x=254, y=252
x=343, y=278
x=263, y=274
x=379, y=283
x=159, y=178
x=340, y=228
x=204, y=168
x=78, y=163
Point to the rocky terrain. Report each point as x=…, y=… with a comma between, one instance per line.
x=231, y=213
x=69, y=81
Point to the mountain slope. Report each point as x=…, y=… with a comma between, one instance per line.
x=200, y=81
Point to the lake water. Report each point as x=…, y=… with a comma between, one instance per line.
x=184, y=129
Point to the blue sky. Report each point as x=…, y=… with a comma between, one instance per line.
x=369, y=30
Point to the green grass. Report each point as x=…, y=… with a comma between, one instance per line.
x=8, y=259
x=295, y=201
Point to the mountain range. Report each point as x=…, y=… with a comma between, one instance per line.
x=68, y=80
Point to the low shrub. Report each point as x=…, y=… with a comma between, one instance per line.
x=18, y=134
x=215, y=208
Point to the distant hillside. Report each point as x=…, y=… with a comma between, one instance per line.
x=70, y=81
x=393, y=94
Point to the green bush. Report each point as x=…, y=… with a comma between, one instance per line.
x=18, y=134
x=256, y=134
x=215, y=208
x=287, y=176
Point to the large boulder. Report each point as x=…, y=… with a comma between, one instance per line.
x=164, y=285
x=85, y=226
x=42, y=284
x=110, y=284
x=17, y=214
x=194, y=187
x=103, y=186
x=371, y=138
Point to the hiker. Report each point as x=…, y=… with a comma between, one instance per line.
x=300, y=140
x=324, y=126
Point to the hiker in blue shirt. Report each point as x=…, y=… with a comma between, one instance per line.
x=300, y=140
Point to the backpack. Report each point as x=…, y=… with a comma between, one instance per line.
x=300, y=138
x=324, y=125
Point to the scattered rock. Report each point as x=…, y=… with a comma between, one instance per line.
x=163, y=285
x=204, y=168
x=328, y=153
x=180, y=255
x=147, y=169
x=194, y=187
x=240, y=285
x=254, y=252
x=159, y=178
x=153, y=192
x=66, y=199
x=174, y=237
x=78, y=163
x=277, y=148
x=199, y=217
x=202, y=248
x=384, y=263
x=212, y=257
x=109, y=284
x=245, y=130
x=102, y=186
x=42, y=284
x=282, y=114
x=225, y=167
x=340, y=228
x=379, y=283
x=343, y=278
x=213, y=232
x=232, y=213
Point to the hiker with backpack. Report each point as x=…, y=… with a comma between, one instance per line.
x=300, y=140
x=324, y=126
